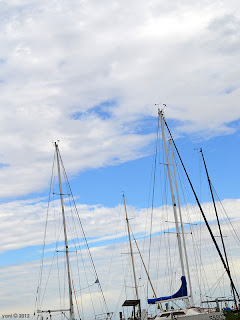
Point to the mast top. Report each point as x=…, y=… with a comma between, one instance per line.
x=55, y=143
x=160, y=111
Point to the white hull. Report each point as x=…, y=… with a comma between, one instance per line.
x=190, y=315
x=206, y=316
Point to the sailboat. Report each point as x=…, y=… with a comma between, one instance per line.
x=185, y=292
x=70, y=292
x=135, y=302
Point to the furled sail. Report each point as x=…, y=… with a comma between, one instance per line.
x=182, y=292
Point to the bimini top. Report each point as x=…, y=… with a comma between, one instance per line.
x=131, y=303
x=182, y=292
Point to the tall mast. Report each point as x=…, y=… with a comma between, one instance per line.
x=131, y=252
x=65, y=236
x=182, y=229
x=204, y=217
x=219, y=226
x=160, y=113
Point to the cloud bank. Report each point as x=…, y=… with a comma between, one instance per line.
x=86, y=72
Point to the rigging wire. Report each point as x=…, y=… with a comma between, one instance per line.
x=57, y=241
x=236, y=236
x=78, y=250
x=81, y=302
x=47, y=279
x=76, y=300
x=59, y=285
x=204, y=217
x=153, y=193
x=219, y=227
x=44, y=239
x=85, y=238
x=73, y=238
x=198, y=262
x=198, y=255
x=215, y=284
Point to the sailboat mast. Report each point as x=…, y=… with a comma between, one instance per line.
x=204, y=217
x=131, y=252
x=160, y=113
x=219, y=227
x=182, y=229
x=65, y=236
x=154, y=292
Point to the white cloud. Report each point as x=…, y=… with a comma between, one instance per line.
x=63, y=58
x=68, y=57
x=26, y=227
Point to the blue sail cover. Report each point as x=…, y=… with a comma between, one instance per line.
x=182, y=292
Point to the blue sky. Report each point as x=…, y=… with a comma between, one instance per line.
x=106, y=184
x=90, y=74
